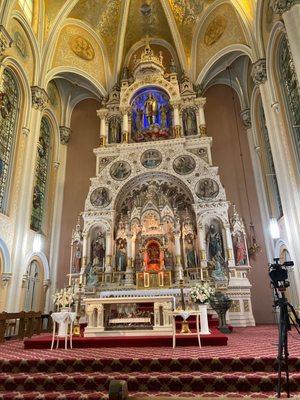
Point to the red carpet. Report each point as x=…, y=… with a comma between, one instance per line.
x=215, y=339
x=246, y=366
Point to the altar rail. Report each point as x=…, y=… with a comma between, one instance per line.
x=23, y=324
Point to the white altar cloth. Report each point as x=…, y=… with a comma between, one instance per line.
x=63, y=318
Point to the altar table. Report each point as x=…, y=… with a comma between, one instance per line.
x=185, y=315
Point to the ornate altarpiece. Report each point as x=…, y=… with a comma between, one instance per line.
x=156, y=212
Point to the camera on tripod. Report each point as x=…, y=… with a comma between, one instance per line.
x=279, y=274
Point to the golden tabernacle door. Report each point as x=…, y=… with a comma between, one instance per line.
x=153, y=279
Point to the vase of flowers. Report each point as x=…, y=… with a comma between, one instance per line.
x=200, y=294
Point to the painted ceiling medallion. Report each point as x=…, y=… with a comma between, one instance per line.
x=100, y=197
x=207, y=188
x=82, y=48
x=215, y=30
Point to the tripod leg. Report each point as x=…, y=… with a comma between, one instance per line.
x=280, y=349
x=286, y=351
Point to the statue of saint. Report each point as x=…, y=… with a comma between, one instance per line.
x=220, y=271
x=151, y=109
x=121, y=255
x=98, y=250
x=139, y=120
x=77, y=257
x=240, y=249
x=115, y=130
x=190, y=251
x=91, y=277
x=189, y=122
x=214, y=241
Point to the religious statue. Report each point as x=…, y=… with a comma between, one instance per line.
x=121, y=255
x=98, y=250
x=91, y=276
x=114, y=130
x=151, y=109
x=168, y=258
x=220, y=268
x=240, y=251
x=189, y=122
x=77, y=257
x=139, y=119
x=214, y=242
x=190, y=251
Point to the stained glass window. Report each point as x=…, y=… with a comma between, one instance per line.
x=9, y=103
x=41, y=176
x=291, y=91
x=269, y=168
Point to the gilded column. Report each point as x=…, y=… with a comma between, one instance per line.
x=290, y=12
x=103, y=133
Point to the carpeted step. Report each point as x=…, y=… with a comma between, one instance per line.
x=204, y=364
x=66, y=395
x=165, y=381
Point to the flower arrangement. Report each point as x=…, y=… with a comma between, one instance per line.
x=202, y=292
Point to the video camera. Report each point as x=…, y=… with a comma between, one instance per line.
x=279, y=274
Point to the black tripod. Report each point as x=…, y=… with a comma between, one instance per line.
x=285, y=324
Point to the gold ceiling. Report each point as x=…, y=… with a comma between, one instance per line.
x=119, y=24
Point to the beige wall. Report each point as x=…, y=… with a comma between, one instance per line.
x=221, y=126
x=81, y=165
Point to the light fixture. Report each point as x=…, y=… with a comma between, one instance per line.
x=37, y=243
x=274, y=228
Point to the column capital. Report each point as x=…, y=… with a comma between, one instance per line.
x=64, y=134
x=175, y=103
x=39, y=98
x=259, y=71
x=246, y=117
x=125, y=110
x=200, y=101
x=5, y=40
x=281, y=6
x=5, y=278
x=102, y=113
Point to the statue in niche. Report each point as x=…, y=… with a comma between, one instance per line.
x=189, y=122
x=121, y=255
x=98, y=250
x=151, y=109
x=139, y=119
x=219, y=268
x=91, y=276
x=214, y=242
x=240, y=251
x=114, y=128
x=168, y=259
x=77, y=255
x=190, y=251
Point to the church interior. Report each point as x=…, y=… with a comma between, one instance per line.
x=149, y=183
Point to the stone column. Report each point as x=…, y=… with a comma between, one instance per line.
x=202, y=246
x=39, y=103
x=229, y=246
x=5, y=278
x=290, y=12
x=102, y=113
x=201, y=101
x=125, y=126
x=283, y=161
x=108, y=253
x=129, y=269
x=176, y=119
x=178, y=264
